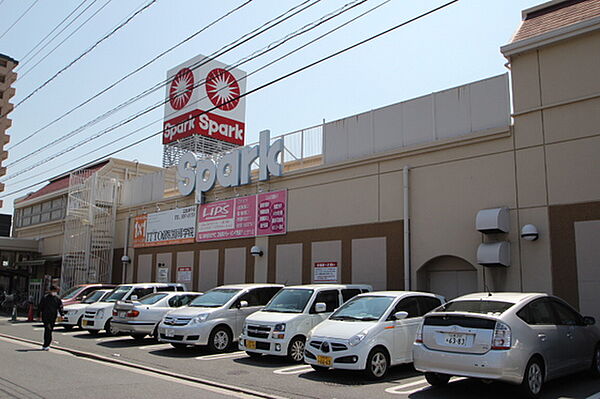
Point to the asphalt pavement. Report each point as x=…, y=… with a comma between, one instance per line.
x=269, y=375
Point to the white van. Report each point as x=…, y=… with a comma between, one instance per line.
x=281, y=328
x=98, y=316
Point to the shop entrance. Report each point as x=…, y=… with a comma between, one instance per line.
x=449, y=276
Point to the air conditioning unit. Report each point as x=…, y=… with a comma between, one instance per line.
x=494, y=254
x=489, y=221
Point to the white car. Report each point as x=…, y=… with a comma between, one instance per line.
x=215, y=318
x=371, y=332
x=74, y=313
x=281, y=328
x=98, y=316
x=141, y=318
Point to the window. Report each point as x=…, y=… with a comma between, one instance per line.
x=427, y=304
x=142, y=292
x=2, y=78
x=3, y=63
x=265, y=294
x=167, y=288
x=477, y=306
x=331, y=298
x=538, y=312
x=152, y=298
x=41, y=213
x=566, y=316
x=180, y=300
x=349, y=293
x=251, y=297
x=408, y=305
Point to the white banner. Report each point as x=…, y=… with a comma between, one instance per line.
x=176, y=226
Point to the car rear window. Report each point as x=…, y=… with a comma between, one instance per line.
x=152, y=298
x=476, y=306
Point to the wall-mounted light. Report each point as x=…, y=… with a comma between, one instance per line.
x=256, y=251
x=529, y=232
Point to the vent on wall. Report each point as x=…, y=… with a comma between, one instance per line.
x=494, y=254
x=490, y=221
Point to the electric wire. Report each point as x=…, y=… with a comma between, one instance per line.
x=131, y=73
x=24, y=58
x=236, y=43
x=280, y=78
x=18, y=19
x=150, y=3
x=245, y=77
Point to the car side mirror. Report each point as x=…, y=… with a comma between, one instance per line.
x=243, y=304
x=134, y=297
x=589, y=321
x=83, y=298
x=320, y=307
x=400, y=315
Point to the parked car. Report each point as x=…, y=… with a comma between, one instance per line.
x=140, y=318
x=74, y=313
x=371, y=332
x=281, y=328
x=78, y=293
x=98, y=316
x=215, y=318
x=519, y=338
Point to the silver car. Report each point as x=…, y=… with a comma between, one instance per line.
x=141, y=318
x=519, y=338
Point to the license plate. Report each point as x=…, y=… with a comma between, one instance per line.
x=86, y=323
x=122, y=314
x=459, y=340
x=169, y=333
x=325, y=360
x=250, y=344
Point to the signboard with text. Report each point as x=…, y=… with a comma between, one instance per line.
x=184, y=274
x=325, y=272
x=256, y=215
x=176, y=226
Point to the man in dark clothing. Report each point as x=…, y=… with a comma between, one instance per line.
x=50, y=307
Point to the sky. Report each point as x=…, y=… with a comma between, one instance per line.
x=457, y=45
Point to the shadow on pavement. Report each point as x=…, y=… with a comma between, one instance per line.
x=349, y=377
x=125, y=343
x=29, y=350
x=266, y=362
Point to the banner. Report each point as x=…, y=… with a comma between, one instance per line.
x=256, y=215
x=176, y=226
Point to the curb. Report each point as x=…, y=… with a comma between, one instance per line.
x=188, y=378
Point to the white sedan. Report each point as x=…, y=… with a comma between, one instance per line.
x=140, y=318
x=74, y=313
x=371, y=332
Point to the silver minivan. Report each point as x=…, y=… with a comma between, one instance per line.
x=519, y=338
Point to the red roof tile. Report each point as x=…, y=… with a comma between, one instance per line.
x=58, y=184
x=557, y=16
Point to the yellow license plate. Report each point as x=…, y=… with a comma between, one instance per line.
x=250, y=344
x=325, y=360
x=85, y=323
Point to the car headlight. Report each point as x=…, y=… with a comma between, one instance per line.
x=357, y=339
x=279, y=327
x=200, y=318
x=100, y=314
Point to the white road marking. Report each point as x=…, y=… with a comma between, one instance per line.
x=38, y=328
x=405, y=389
x=102, y=339
x=65, y=332
x=155, y=346
x=303, y=368
x=222, y=356
x=594, y=396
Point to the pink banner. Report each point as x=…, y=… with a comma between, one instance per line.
x=256, y=215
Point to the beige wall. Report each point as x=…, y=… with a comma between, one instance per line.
x=288, y=261
x=209, y=269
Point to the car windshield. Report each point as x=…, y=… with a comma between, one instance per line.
x=117, y=294
x=94, y=297
x=363, y=308
x=71, y=292
x=289, y=300
x=152, y=298
x=476, y=306
x=215, y=298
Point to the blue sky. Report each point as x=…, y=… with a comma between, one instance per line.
x=457, y=45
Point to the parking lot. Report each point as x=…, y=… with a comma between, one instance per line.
x=279, y=378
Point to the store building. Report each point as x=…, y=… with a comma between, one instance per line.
x=7, y=78
x=432, y=193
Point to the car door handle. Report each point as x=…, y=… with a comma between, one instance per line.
x=542, y=337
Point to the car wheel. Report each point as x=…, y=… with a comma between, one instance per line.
x=67, y=327
x=109, y=328
x=296, y=350
x=319, y=369
x=138, y=337
x=377, y=364
x=254, y=355
x=596, y=362
x=79, y=322
x=178, y=346
x=219, y=340
x=93, y=332
x=437, y=379
x=533, y=378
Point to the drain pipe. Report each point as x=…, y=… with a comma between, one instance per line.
x=126, y=251
x=406, y=224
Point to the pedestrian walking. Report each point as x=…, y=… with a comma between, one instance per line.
x=50, y=307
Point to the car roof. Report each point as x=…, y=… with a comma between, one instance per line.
x=178, y=292
x=330, y=286
x=513, y=297
x=399, y=293
x=249, y=285
x=150, y=285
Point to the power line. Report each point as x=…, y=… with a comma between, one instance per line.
x=131, y=73
x=236, y=43
x=283, y=77
x=85, y=52
x=49, y=33
x=245, y=77
x=18, y=19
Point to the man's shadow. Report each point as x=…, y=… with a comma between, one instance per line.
x=30, y=350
